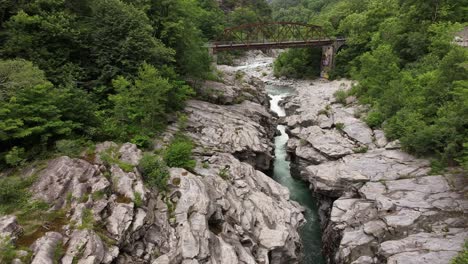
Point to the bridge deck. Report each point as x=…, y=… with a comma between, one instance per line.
x=220, y=46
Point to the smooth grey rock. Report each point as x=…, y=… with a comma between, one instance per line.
x=393, y=145
x=359, y=168
x=425, y=241
x=64, y=176
x=353, y=127
x=215, y=214
x=129, y=153
x=422, y=257
x=84, y=246
x=103, y=147
x=387, y=208
x=380, y=139
x=237, y=129
x=44, y=248
x=9, y=227
x=328, y=142
x=120, y=219
x=127, y=183
x=309, y=154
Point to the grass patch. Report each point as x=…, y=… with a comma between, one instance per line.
x=363, y=149
x=112, y=156
x=340, y=96
x=87, y=220
x=224, y=172
x=340, y=126
x=462, y=257
x=138, y=199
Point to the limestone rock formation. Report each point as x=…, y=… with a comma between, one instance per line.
x=244, y=130
x=225, y=211
x=378, y=204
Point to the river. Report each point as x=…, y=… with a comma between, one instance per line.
x=310, y=232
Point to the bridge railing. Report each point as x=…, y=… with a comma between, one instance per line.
x=273, y=32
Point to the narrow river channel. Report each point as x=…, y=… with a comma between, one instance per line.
x=310, y=232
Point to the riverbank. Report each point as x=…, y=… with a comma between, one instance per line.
x=377, y=203
x=224, y=209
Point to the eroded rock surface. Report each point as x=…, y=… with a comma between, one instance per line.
x=225, y=211
x=244, y=130
x=379, y=204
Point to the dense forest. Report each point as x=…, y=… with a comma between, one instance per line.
x=74, y=72
x=87, y=70
x=407, y=68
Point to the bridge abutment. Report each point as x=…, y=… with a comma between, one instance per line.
x=328, y=60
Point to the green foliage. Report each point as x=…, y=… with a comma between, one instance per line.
x=7, y=250
x=15, y=157
x=141, y=105
x=363, y=149
x=401, y=54
x=138, y=200
x=155, y=171
x=299, y=63
x=141, y=141
x=374, y=118
x=71, y=147
x=59, y=252
x=462, y=257
x=41, y=113
x=87, y=220
x=340, y=96
x=13, y=189
x=224, y=173
x=179, y=153
x=340, y=126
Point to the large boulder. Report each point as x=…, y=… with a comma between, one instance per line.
x=354, y=170
x=45, y=247
x=234, y=129
x=232, y=212
x=66, y=178
x=9, y=227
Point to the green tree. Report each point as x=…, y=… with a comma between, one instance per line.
x=140, y=106
x=35, y=113
x=120, y=40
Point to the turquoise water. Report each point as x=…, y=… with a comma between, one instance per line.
x=310, y=232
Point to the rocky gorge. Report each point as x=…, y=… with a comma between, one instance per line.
x=377, y=203
x=226, y=210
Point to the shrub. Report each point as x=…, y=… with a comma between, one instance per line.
x=15, y=157
x=71, y=148
x=138, y=200
x=179, y=153
x=13, y=189
x=155, y=171
x=340, y=96
x=298, y=63
x=374, y=118
x=7, y=250
x=462, y=257
x=141, y=141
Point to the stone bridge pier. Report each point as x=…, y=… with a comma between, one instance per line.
x=329, y=58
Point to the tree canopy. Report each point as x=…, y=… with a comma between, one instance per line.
x=408, y=68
